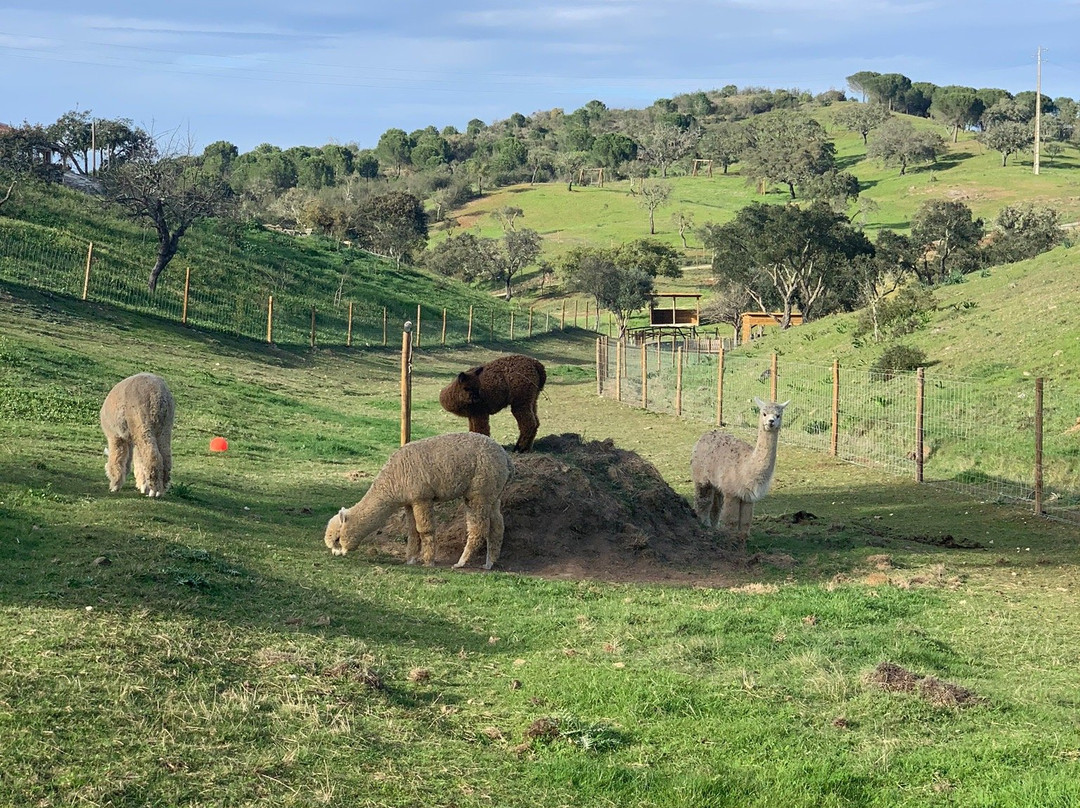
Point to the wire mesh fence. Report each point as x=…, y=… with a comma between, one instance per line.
x=43, y=258
x=992, y=440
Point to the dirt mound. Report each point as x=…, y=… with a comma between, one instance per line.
x=896, y=679
x=587, y=509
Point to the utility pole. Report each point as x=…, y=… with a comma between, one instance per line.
x=1038, y=106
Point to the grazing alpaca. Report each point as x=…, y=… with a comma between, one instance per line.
x=482, y=391
x=730, y=475
x=461, y=465
x=137, y=419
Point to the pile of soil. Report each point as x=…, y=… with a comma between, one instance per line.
x=896, y=679
x=587, y=510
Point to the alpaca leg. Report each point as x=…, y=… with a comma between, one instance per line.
x=165, y=447
x=412, y=543
x=496, y=527
x=119, y=463
x=729, y=514
x=475, y=531
x=527, y=423
x=715, y=506
x=480, y=424
x=746, y=516
x=704, y=503
x=424, y=516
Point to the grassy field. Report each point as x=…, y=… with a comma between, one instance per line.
x=205, y=649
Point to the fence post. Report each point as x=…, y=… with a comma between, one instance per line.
x=511, y=325
x=587, y=304
x=86, y=276
x=720, y=386
x=384, y=326
x=835, y=442
x=270, y=320
x=575, y=312
x=678, y=382
x=773, y=375
x=530, y=320
x=312, y=326
x=417, y=328
x=468, y=333
x=187, y=288
x=1039, y=446
x=920, y=391
x=599, y=380
x=406, y=383
x=562, y=317
x=644, y=378
x=348, y=331
x=618, y=369
x=491, y=327
x=444, y=327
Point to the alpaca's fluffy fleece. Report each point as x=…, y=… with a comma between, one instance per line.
x=462, y=465
x=137, y=419
x=730, y=475
x=480, y=392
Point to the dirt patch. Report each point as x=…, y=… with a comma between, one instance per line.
x=896, y=679
x=588, y=509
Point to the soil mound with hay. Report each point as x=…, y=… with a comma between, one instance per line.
x=586, y=509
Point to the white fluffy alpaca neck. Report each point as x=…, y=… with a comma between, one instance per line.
x=761, y=464
x=370, y=513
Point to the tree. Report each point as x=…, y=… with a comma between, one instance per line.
x=1008, y=138
x=506, y=216
x=787, y=147
x=783, y=255
x=944, y=228
x=652, y=196
x=956, y=107
x=621, y=290
x=898, y=142
x=392, y=223
x=519, y=248
x=860, y=82
x=169, y=189
x=665, y=143
x=889, y=89
x=724, y=144
x=612, y=149
x=862, y=118
x=26, y=153
x=466, y=257
x=395, y=149
x=880, y=275
x=1024, y=231
x=684, y=223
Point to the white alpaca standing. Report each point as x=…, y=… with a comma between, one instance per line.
x=730, y=475
x=460, y=465
x=137, y=419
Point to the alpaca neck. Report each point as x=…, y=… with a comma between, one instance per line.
x=764, y=455
x=369, y=514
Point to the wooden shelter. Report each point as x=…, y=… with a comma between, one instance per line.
x=761, y=320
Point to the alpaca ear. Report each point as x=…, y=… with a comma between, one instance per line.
x=759, y=402
x=781, y=406
x=461, y=377
x=341, y=515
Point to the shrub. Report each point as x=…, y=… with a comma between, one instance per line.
x=897, y=359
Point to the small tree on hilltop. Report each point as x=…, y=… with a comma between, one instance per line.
x=944, y=229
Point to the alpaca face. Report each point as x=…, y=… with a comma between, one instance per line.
x=772, y=414
x=335, y=529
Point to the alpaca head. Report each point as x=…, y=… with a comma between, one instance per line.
x=772, y=414
x=335, y=534
x=462, y=396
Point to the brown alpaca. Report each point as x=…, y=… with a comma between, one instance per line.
x=137, y=419
x=482, y=391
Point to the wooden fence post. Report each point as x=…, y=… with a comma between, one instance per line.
x=599, y=379
x=1039, y=446
x=468, y=333
x=562, y=317
x=384, y=326
x=644, y=378
x=618, y=369
x=348, y=330
x=406, y=383
x=417, y=327
x=575, y=312
x=444, y=327
x=530, y=320
x=920, y=392
x=772, y=380
x=86, y=276
x=587, y=304
x=678, y=382
x=835, y=442
x=270, y=320
x=720, y=386
x=312, y=326
x=491, y=327
x=511, y=325
x=187, y=288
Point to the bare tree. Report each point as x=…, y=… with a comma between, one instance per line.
x=171, y=190
x=653, y=195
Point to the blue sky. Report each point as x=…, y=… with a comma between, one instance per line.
x=317, y=72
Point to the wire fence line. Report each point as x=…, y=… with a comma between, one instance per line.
x=43, y=258
x=1001, y=441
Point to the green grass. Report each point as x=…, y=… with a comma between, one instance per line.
x=205, y=649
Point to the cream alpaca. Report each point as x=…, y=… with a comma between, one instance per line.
x=730, y=475
x=137, y=419
x=461, y=465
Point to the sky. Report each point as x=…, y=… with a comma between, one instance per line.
x=324, y=71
